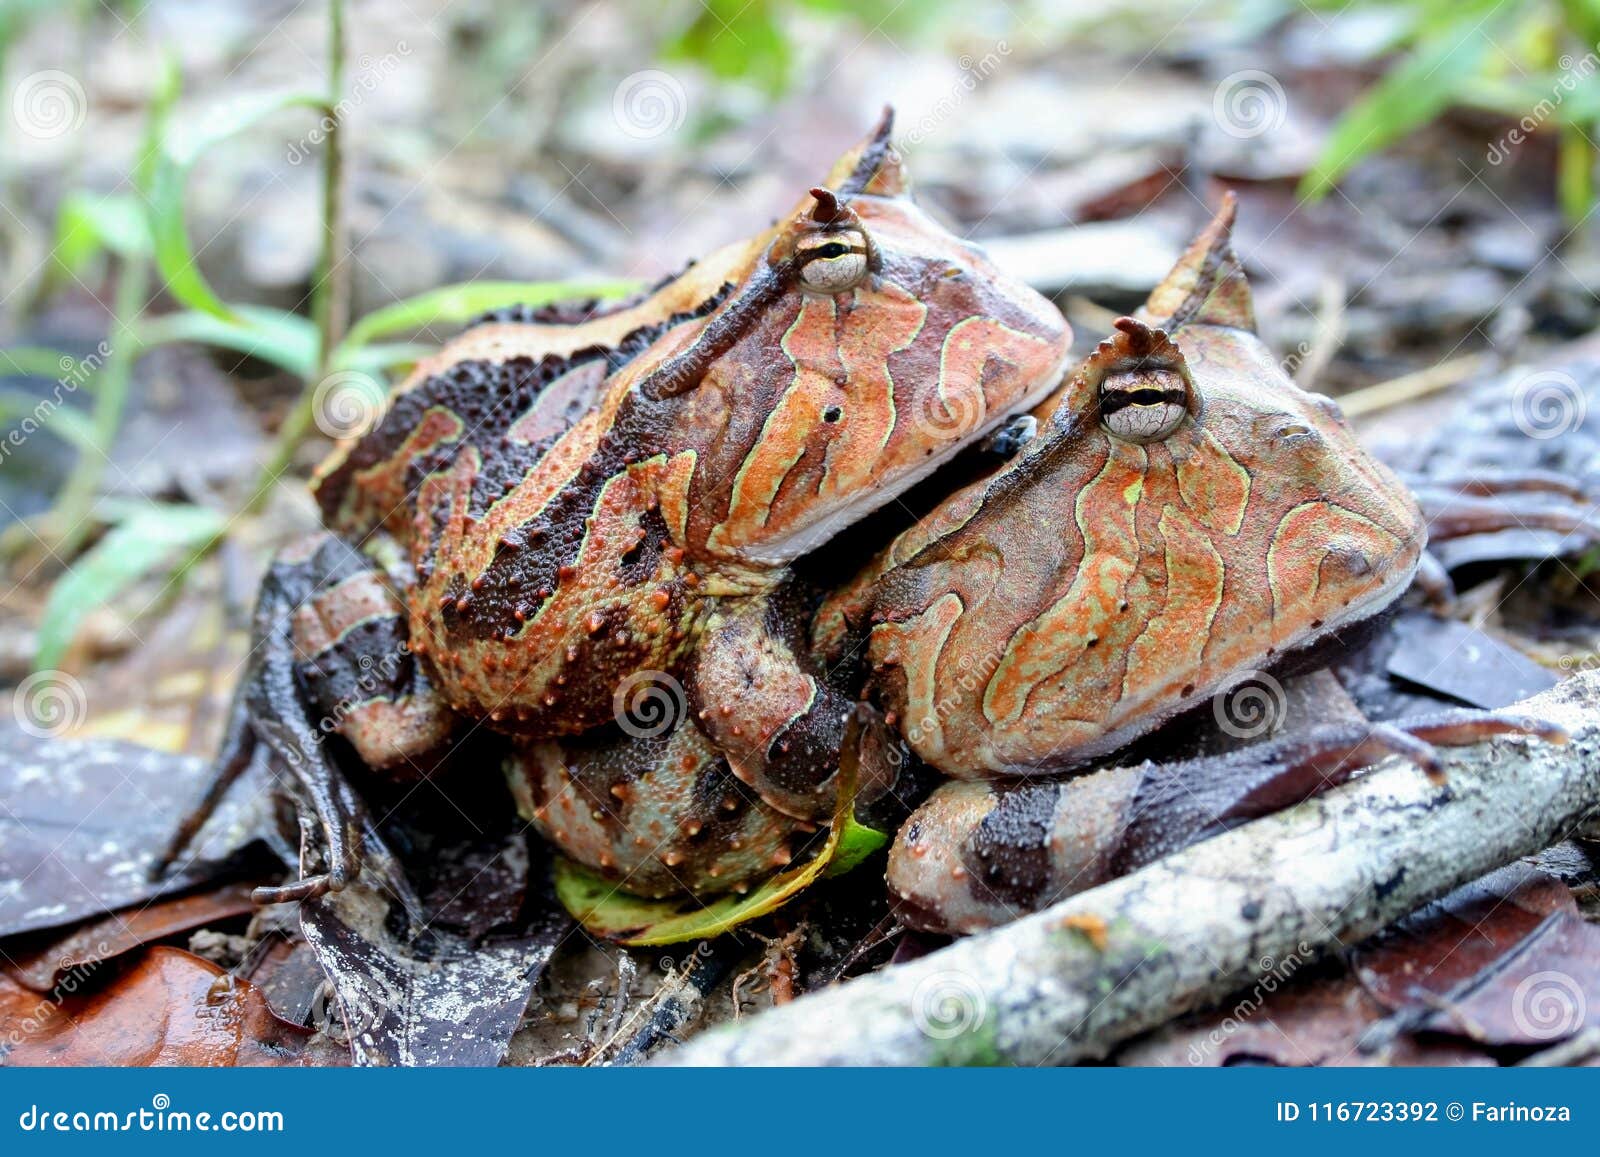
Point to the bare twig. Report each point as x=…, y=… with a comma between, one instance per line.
x=1410, y=387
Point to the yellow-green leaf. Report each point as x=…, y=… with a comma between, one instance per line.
x=148, y=537
x=605, y=910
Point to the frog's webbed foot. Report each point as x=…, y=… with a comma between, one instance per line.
x=978, y=854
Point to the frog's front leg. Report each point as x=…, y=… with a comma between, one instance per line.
x=978, y=854
x=760, y=699
x=329, y=659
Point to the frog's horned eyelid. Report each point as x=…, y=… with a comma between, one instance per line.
x=876, y=154
x=826, y=210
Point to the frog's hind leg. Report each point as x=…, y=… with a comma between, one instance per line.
x=978, y=854
x=329, y=658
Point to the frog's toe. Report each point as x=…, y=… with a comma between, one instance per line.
x=307, y=888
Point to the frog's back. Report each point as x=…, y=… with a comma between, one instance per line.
x=509, y=388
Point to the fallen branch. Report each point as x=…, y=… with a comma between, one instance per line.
x=1070, y=983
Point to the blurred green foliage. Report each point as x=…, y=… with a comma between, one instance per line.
x=749, y=41
x=144, y=234
x=1537, y=63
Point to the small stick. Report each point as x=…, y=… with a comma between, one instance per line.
x=1410, y=387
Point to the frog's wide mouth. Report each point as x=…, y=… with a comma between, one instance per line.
x=785, y=550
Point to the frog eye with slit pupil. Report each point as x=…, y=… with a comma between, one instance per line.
x=1143, y=405
x=833, y=262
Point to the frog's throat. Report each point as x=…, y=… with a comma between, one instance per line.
x=783, y=551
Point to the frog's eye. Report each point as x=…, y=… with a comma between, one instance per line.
x=1143, y=405
x=833, y=262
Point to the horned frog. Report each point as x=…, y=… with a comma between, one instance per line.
x=553, y=513
x=1184, y=513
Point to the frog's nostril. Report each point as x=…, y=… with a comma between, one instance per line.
x=1293, y=430
x=832, y=414
x=1351, y=561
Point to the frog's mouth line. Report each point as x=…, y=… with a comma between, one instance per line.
x=783, y=551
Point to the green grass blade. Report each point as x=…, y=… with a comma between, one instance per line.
x=180, y=149
x=37, y=362
x=149, y=537
x=380, y=357
x=1412, y=94
x=87, y=223
x=71, y=426
x=284, y=339
x=459, y=303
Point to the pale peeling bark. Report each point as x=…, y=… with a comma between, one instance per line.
x=1214, y=919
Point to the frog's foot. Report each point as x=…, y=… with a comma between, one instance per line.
x=337, y=830
x=979, y=854
x=763, y=703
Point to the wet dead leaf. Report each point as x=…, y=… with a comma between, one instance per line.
x=166, y=1008
x=84, y=820
x=42, y=965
